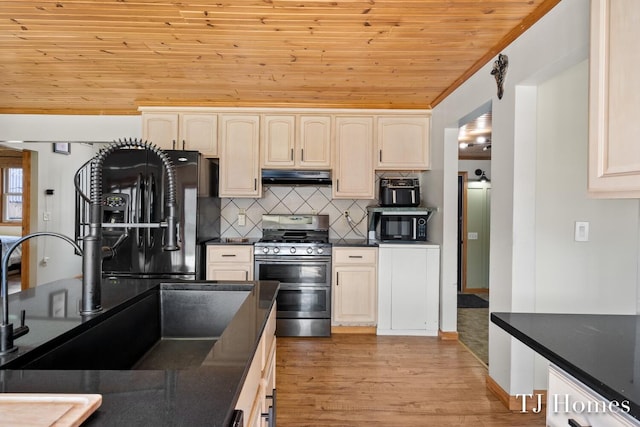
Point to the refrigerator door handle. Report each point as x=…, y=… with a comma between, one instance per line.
x=138, y=210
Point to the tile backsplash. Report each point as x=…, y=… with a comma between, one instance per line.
x=298, y=200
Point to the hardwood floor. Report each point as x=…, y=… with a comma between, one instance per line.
x=368, y=380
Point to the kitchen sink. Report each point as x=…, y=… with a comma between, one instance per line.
x=174, y=326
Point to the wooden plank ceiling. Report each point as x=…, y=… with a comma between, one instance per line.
x=111, y=56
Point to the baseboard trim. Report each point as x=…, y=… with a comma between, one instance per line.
x=448, y=335
x=514, y=403
x=368, y=330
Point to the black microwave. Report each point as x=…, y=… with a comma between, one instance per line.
x=403, y=226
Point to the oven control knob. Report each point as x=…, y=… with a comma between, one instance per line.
x=265, y=250
x=309, y=250
x=276, y=250
x=320, y=250
x=292, y=250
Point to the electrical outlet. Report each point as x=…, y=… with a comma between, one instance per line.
x=46, y=216
x=242, y=218
x=346, y=214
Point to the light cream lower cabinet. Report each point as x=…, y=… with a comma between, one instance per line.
x=229, y=262
x=355, y=287
x=569, y=399
x=257, y=397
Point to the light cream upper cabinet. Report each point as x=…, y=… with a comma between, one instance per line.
x=314, y=138
x=353, y=172
x=403, y=143
x=199, y=132
x=290, y=141
x=160, y=129
x=182, y=131
x=614, y=96
x=278, y=141
x=239, y=155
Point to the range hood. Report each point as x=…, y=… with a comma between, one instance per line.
x=296, y=177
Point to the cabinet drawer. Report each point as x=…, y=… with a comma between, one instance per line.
x=355, y=255
x=229, y=253
x=567, y=398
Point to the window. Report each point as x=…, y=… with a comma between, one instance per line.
x=11, y=194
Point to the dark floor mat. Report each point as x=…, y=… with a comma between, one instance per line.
x=471, y=301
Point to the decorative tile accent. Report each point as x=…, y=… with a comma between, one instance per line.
x=279, y=199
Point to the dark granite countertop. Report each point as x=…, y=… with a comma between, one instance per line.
x=353, y=242
x=232, y=241
x=602, y=351
x=184, y=397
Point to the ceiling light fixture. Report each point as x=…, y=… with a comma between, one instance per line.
x=463, y=145
x=481, y=140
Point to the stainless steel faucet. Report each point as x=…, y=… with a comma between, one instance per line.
x=7, y=332
x=93, y=252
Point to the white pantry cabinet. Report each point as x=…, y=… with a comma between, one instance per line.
x=240, y=155
x=614, y=85
x=229, y=262
x=408, y=289
x=353, y=172
x=355, y=286
x=296, y=141
x=403, y=142
x=182, y=131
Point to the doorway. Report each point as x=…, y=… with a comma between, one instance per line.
x=474, y=201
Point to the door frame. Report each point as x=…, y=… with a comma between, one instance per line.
x=462, y=231
x=26, y=218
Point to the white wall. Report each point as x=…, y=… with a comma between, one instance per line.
x=470, y=167
x=554, y=44
x=598, y=276
x=54, y=171
x=42, y=127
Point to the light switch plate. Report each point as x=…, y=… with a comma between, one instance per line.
x=472, y=235
x=581, y=233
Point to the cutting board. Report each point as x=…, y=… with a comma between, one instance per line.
x=40, y=410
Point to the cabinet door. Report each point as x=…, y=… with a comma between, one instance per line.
x=239, y=156
x=278, y=141
x=315, y=141
x=160, y=129
x=403, y=143
x=354, y=295
x=614, y=85
x=199, y=132
x=353, y=176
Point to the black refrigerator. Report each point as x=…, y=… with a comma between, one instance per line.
x=133, y=191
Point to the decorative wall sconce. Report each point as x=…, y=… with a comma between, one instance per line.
x=482, y=176
x=499, y=72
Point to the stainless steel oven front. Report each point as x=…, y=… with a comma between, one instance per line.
x=304, y=298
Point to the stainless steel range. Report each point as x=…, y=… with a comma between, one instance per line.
x=295, y=251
